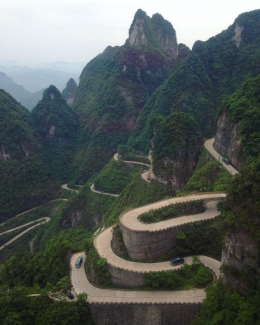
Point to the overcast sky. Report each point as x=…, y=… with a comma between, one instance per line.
x=78, y=30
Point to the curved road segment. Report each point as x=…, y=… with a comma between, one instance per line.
x=92, y=187
x=130, y=220
x=46, y=219
x=82, y=285
x=209, y=146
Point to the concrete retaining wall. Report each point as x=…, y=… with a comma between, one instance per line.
x=144, y=314
x=144, y=245
x=126, y=278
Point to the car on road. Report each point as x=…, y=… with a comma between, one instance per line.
x=226, y=161
x=177, y=261
x=79, y=261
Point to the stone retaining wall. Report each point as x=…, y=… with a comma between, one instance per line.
x=143, y=245
x=148, y=245
x=144, y=314
x=126, y=278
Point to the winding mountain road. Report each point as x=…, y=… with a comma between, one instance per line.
x=129, y=219
x=102, y=244
x=82, y=285
x=92, y=187
x=208, y=144
x=46, y=219
x=65, y=187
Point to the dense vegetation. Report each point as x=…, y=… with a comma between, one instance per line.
x=125, y=154
x=69, y=92
x=176, y=144
x=131, y=95
x=87, y=209
x=187, y=90
x=33, y=271
x=24, y=176
x=172, y=211
x=115, y=176
x=187, y=277
x=56, y=126
x=96, y=266
x=203, y=77
x=243, y=107
x=18, y=308
x=240, y=214
x=224, y=307
x=137, y=193
x=209, y=175
x=114, y=87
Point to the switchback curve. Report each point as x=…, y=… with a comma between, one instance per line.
x=130, y=219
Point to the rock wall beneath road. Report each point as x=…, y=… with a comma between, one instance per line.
x=126, y=278
x=144, y=314
x=145, y=245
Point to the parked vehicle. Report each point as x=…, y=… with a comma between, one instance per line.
x=177, y=261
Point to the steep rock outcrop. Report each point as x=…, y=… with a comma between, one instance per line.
x=227, y=141
x=115, y=86
x=56, y=126
x=69, y=92
x=176, y=145
x=24, y=181
x=240, y=214
x=155, y=31
x=238, y=256
x=238, y=130
x=16, y=135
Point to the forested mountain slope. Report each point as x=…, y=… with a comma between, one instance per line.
x=176, y=144
x=238, y=129
x=69, y=92
x=56, y=127
x=204, y=76
x=116, y=84
x=24, y=181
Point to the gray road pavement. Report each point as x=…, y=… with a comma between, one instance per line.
x=65, y=187
x=82, y=285
x=130, y=220
x=45, y=219
x=99, y=192
x=209, y=146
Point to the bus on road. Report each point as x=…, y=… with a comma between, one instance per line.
x=79, y=261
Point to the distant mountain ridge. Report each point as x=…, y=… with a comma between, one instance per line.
x=26, y=98
x=36, y=77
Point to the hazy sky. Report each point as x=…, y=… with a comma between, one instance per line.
x=78, y=30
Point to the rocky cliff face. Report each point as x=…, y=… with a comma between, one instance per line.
x=176, y=145
x=124, y=78
x=178, y=171
x=227, y=142
x=240, y=213
x=53, y=117
x=155, y=31
x=16, y=136
x=238, y=256
x=69, y=92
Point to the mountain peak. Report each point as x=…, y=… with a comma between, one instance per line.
x=156, y=32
